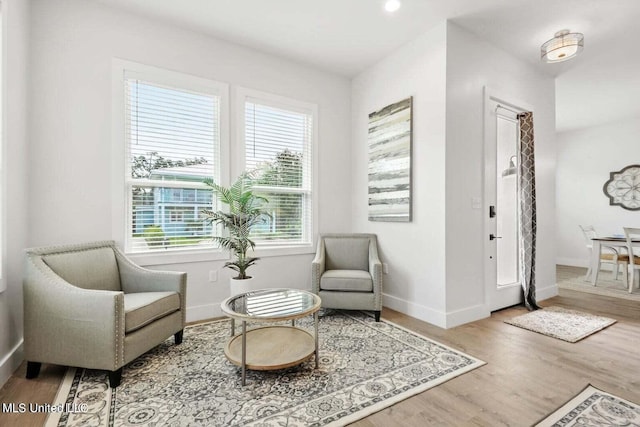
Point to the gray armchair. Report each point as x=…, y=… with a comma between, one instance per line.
x=347, y=273
x=89, y=306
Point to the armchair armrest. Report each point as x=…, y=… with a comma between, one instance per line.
x=134, y=278
x=375, y=267
x=317, y=267
x=56, y=312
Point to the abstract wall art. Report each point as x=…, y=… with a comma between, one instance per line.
x=389, y=142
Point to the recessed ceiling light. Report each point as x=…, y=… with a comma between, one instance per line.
x=392, y=5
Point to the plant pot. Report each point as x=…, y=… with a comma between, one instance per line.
x=240, y=286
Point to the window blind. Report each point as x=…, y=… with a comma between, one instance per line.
x=278, y=145
x=173, y=141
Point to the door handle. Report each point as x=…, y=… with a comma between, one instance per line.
x=492, y=237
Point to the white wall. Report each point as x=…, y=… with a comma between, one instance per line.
x=585, y=159
x=436, y=262
x=473, y=64
x=16, y=42
x=413, y=250
x=73, y=43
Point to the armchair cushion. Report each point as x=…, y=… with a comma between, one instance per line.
x=87, y=269
x=142, y=308
x=347, y=253
x=346, y=280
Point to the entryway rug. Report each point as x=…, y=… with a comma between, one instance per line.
x=594, y=407
x=365, y=366
x=567, y=325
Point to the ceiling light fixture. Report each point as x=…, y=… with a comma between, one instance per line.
x=392, y=5
x=564, y=45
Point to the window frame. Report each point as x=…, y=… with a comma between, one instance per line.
x=244, y=95
x=120, y=155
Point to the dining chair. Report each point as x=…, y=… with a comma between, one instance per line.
x=634, y=260
x=611, y=257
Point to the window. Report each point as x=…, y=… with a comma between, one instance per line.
x=172, y=128
x=278, y=143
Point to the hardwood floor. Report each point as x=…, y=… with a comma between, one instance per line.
x=527, y=375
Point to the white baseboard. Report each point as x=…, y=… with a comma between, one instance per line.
x=435, y=317
x=11, y=361
x=573, y=262
x=453, y=318
x=546, y=292
x=577, y=262
x=412, y=309
x=427, y=314
x=466, y=315
x=203, y=312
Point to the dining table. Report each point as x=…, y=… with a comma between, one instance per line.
x=617, y=242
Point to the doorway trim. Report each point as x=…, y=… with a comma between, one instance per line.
x=489, y=179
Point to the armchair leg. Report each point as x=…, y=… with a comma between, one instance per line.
x=115, y=377
x=178, y=336
x=33, y=369
x=377, y=314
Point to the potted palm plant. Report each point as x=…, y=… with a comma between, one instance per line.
x=243, y=213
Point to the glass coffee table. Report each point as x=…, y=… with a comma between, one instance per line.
x=273, y=346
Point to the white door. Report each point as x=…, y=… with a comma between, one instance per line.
x=502, y=136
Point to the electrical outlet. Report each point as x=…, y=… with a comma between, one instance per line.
x=213, y=276
x=385, y=268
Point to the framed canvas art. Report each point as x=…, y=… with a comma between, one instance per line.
x=389, y=141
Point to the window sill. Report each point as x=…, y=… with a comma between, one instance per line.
x=269, y=251
x=188, y=256
x=177, y=257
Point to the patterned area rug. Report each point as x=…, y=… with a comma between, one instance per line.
x=364, y=367
x=561, y=323
x=593, y=407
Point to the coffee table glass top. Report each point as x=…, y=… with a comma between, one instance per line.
x=276, y=304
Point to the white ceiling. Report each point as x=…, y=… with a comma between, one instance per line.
x=602, y=85
x=348, y=36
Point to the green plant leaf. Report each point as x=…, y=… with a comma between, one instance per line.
x=244, y=212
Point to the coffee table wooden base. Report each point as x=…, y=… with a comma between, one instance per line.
x=272, y=347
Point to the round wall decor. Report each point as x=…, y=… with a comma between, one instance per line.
x=623, y=188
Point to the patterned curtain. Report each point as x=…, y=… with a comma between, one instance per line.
x=527, y=218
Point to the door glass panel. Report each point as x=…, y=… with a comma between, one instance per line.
x=506, y=201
